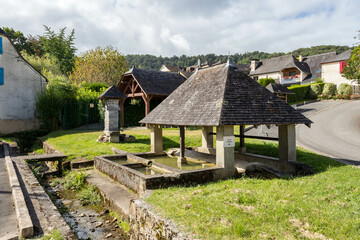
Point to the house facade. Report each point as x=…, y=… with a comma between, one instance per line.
x=19, y=83
x=288, y=69
x=332, y=68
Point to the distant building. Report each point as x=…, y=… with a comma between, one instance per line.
x=167, y=68
x=288, y=69
x=19, y=83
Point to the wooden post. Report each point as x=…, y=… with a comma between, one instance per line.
x=182, y=144
x=242, y=148
x=147, y=99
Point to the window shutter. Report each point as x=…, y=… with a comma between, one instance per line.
x=1, y=46
x=1, y=76
x=342, y=65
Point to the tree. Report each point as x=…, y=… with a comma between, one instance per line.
x=60, y=46
x=20, y=41
x=101, y=65
x=352, y=69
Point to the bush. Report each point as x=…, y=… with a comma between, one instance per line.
x=49, y=104
x=301, y=93
x=89, y=196
x=266, y=81
x=314, y=91
x=329, y=90
x=72, y=181
x=97, y=87
x=345, y=90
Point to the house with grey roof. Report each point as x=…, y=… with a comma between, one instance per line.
x=331, y=69
x=19, y=83
x=288, y=69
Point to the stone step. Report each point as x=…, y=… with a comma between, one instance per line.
x=116, y=196
x=43, y=157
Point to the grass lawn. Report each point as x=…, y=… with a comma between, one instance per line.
x=322, y=206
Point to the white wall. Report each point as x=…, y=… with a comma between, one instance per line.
x=275, y=75
x=21, y=82
x=330, y=72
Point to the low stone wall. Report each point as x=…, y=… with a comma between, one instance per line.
x=146, y=224
x=139, y=182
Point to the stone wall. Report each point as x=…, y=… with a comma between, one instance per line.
x=146, y=224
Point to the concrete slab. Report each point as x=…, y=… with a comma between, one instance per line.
x=8, y=223
x=114, y=194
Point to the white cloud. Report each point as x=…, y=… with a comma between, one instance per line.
x=169, y=27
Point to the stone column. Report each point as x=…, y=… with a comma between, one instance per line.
x=156, y=138
x=287, y=143
x=207, y=138
x=112, y=120
x=225, y=144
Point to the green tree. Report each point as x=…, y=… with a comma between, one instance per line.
x=60, y=46
x=20, y=41
x=352, y=70
x=101, y=65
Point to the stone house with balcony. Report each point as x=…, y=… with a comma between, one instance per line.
x=19, y=83
x=288, y=69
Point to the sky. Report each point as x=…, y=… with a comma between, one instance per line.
x=191, y=27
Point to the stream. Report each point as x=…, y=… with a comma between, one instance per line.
x=87, y=222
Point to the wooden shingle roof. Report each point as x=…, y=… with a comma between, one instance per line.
x=222, y=95
x=155, y=82
x=111, y=93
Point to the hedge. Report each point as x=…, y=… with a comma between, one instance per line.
x=301, y=93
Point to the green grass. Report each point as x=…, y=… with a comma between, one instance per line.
x=326, y=204
x=89, y=196
x=53, y=235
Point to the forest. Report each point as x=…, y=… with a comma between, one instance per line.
x=153, y=62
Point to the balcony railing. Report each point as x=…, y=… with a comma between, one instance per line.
x=292, y=79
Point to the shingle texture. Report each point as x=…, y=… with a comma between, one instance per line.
x=222, y=95
x=275, y=64
x=339, y=57
x=111, y=93
x=278, y=88
x=156, y=82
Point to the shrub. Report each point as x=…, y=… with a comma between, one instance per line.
x=345, y=90
x=89, y=196
x=314, y=90
x=49, y=104
x=97, y=87
x=301, y=92
x=329, y=90
x=266, y=81
x=73, y=180
x=318, y=80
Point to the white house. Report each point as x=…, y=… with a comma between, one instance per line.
x=332, y=68
x=19, y=83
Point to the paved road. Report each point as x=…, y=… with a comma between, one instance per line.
x=8, y=225
x=335, y=132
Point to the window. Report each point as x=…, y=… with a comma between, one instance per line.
x=1, y=76
x=1, y=47
x=342, y=65
x=292, y=73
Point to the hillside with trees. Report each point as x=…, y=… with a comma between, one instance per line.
x=152, y=62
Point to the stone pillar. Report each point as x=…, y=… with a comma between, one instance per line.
x=225, y=144
x=156, y=138
x=112, y=120
x=242, y=148
x=182, y=158
x=287, y=143
x=207, y=138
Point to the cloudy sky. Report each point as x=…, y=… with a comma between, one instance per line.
x=191, y=27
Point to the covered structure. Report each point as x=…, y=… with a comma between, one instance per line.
x=279, y=90
x=222, y=96
x=147, y=85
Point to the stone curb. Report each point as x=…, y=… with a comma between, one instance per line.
x=26, y=227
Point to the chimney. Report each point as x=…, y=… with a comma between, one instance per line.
x=253, y=64
x=300, y=58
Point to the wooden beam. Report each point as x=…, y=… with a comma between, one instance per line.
x=135, y=95
x=255, y=137
x=127, y=86
x=182, y=142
